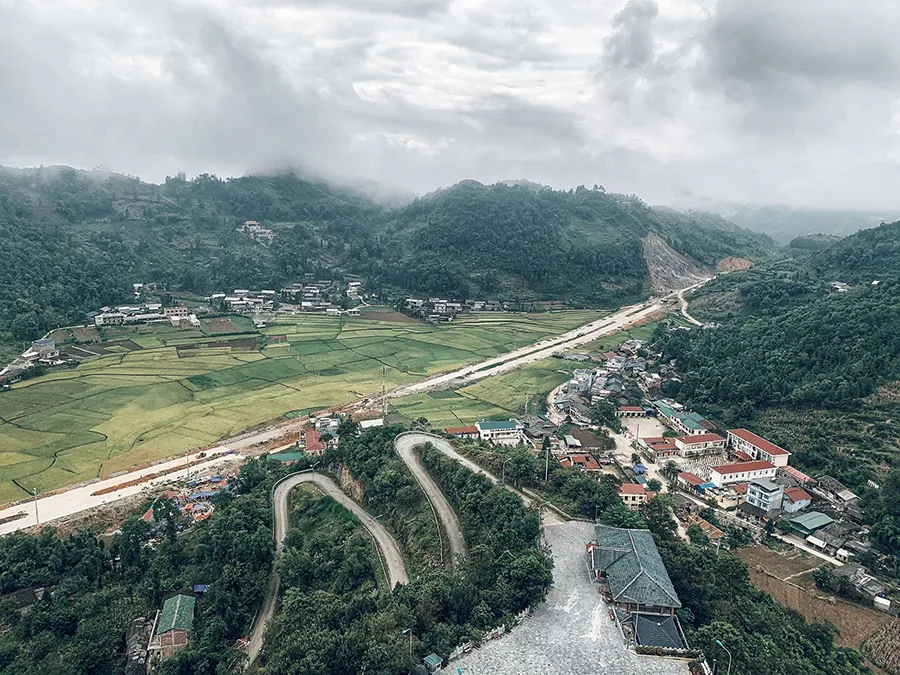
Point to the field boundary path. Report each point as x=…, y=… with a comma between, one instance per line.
x=405, y=445
x=387, y=545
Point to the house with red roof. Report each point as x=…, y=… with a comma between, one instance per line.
x=630, y=411
x=580, y=461
x=795, y=499
x=697, y=445
x=634, y=495
x=463, y=432
x=659, y=447
x=313, y=441
x=757, y=447
x=690, y=480
x=742, y=472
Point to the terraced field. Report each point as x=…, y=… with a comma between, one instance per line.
x=153, y=391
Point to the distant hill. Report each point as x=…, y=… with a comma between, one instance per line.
x=812, y=242
x=585, y=245
x=784, y=223
x=75, y=240
x=865, y=256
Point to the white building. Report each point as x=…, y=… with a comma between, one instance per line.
x=741, y=472
x=502, y=433
x=699, y=445
x=757, y=447
x=764, y=494
x=795, y=499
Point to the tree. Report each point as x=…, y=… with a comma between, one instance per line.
x=696, y=534
x=635, y=458
x=654, y=485
x=670, y=471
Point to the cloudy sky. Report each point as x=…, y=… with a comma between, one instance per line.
x=680, y=101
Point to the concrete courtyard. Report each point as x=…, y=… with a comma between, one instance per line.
x=571, y=633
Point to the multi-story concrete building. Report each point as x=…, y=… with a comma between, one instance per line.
x=741, y=472
x=757, y=447
x=765, y=494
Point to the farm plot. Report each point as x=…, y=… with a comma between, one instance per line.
x=156, y=390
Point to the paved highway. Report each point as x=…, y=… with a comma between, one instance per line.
x=396, y=569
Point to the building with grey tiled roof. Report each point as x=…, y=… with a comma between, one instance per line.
x=628, y=564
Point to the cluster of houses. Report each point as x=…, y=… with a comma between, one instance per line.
x=438, y=309
x=757, y=480
x=321, y=434
x=256, y=231
x=150, y=312
x=40, y=352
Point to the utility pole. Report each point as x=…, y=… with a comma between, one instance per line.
x=187, y=461
x=36, y=516
x=383, y=397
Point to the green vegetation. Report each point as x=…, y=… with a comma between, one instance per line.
x=94, y=593
x=188, y=389
x=334, y=620
x=74, y=241
x=393, y=494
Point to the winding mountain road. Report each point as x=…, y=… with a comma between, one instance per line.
x=684, y=306
x=396, y=569
x=405, y=445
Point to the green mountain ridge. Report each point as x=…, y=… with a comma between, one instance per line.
x=76, y=240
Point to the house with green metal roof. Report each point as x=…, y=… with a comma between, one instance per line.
x=627, y=565
x=177, y=614
x=809, y=523
x=507, y=432
x=685, y=422
x=433, y=662
x=172, y=625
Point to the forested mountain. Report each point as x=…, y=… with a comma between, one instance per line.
x=74, y=240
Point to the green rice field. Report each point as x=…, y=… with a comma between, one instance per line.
x=153, y=391
x=503, y=396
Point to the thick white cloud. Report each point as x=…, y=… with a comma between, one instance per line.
x=679, y=101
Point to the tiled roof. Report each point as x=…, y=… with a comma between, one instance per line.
x=632, y=489
x=630, y=408
x=743, y=467
x=758, y=441
x=496, y=426
x=742, y=456
x=657, y=631
x=635, y=572
x=690, y=478
x=312, y=441
x=797, y=494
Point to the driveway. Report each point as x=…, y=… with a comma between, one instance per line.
x=571, y=633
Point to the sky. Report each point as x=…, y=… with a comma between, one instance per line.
x=682, y=102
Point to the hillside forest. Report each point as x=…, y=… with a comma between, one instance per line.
x=74, y=241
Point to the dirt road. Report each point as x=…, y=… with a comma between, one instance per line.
x=684, y=306
x=396, y=569
x=548, y=515
x=405, y=445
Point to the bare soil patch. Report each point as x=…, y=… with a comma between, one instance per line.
x=773, y=573
x=60, y=336
x=733, y=264
x=86, y=334
x=220, y=325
